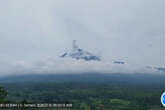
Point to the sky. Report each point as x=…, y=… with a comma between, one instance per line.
x=36, y=30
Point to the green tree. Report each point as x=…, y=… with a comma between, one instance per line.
x=3, y=95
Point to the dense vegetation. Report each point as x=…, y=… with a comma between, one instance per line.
x=3, y=95
x=87, y=95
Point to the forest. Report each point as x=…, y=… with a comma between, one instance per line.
x=86, y=95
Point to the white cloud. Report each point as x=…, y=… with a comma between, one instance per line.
x=70, y=66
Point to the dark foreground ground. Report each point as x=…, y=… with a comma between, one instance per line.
x=88, y=91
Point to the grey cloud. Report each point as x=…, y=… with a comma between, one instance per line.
x=132, y=30
x=52, y=65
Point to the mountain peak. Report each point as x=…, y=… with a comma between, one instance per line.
x=78, y=53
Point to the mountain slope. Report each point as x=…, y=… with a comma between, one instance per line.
x=78, y=53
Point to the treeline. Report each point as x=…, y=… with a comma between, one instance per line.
x=86, y=96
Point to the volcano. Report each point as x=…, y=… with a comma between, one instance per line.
x=80, y=54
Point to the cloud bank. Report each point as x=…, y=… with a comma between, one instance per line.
x=52, y=65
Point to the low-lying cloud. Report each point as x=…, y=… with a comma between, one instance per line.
x=71, y=66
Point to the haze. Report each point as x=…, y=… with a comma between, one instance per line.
x=37, y=30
